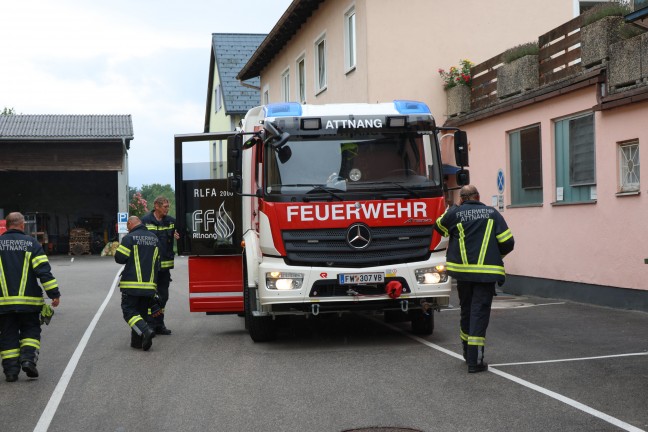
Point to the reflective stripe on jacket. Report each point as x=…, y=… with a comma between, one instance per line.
x=22, y=264
x=164, y=229
x=479, y=239
x=139, y=251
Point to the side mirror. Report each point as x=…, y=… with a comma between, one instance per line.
x=284, y=154
x=463, y=177
x=235, y=163
x=461, y=148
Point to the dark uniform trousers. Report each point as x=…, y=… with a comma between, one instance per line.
x=20, y=341
x=163, y=282
x=135, y=308
x=475, y=299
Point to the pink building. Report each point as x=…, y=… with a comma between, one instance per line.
x=569, y=150
x=567, y=147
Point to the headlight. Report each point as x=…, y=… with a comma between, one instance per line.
x=284, y=281
x=431, y=275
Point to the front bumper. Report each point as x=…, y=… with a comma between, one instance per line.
x=320, y=286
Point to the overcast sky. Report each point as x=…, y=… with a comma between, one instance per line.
x=146, y=58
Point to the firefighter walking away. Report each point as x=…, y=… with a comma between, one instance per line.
x=140, y=254
x=479, y=239
x=22, y=308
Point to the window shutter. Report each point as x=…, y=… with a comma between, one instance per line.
x=581, y=151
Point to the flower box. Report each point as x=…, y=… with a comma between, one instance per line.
x=624, y=68
x=596, y=39
x=458, y=98
x=518, y=76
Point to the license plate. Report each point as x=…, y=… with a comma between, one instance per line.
x=360, y=278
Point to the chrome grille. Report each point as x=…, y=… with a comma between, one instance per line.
x=328, y=247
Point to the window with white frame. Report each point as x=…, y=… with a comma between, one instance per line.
x=629, y=167
x=265, y=99
x=320, y=64
x=525, y=157
x=218, y=98
x=301, y=79
x=575, y=159
x=350, y=39
x=285, y=86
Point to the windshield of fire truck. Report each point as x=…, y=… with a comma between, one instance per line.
x=379, y=162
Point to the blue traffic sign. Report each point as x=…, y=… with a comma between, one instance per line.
x=500, y=181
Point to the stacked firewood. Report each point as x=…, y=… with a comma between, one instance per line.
x=79, y=241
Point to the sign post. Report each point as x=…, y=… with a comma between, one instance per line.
x=500, y=189
x=122, y=218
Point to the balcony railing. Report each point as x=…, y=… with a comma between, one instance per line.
x=559, y=58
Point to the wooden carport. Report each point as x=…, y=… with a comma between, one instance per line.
x=68, y=173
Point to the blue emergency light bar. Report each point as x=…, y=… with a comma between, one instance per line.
x=411, y=107
x=286, y=109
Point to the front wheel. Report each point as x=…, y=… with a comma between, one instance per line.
x=422, y=322
x=261, y=329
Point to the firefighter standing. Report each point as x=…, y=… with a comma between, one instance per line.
x=479, y=239
x=22, y=262
x=162, y=225
x=139, y=252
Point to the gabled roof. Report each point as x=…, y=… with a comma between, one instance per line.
x=68, y=127
x=295, y=16
x=231, y=51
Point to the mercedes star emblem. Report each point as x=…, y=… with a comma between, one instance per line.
x=358, y=236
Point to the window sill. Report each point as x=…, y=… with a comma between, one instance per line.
x=320, y=91
x=624, y=194
x=349, y=70
x=513, y=206
x=568, y=203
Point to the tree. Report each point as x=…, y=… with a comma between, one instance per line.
x=138, y=205
x=152, y=191
x=8, y=111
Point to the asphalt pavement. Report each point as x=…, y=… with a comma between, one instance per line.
x=554, y=366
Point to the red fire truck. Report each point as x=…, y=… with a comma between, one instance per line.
x=321, y=209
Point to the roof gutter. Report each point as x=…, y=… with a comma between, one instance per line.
x=253, y=87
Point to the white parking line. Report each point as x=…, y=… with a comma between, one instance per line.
x=502, y=304
x=571, y=359
x=57, y=395
x=571, y=402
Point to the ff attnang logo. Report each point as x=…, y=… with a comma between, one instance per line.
x=209, y=224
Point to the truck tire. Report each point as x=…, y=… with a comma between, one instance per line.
x=396, y=316
x=422, y=324
x=261, y=329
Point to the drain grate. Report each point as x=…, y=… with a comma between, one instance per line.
x=382, y=429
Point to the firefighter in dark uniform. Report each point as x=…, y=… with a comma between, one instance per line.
x=139, y=252
x=162, y=225
x=22, y=263
x=479, y=239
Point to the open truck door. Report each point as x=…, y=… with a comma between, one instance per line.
x=209, y=222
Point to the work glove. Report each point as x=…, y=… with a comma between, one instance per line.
x=155, y=308
x=46, y=314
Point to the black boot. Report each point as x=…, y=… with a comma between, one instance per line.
x=475, y=359
x=162, y=330
x=11, y=377
x=147, y=338
x=478, y=368
x=29, y=368
x=11, y=369
x=136, y=340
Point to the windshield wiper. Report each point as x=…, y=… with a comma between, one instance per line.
x=405, y=188
x=318, y=188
